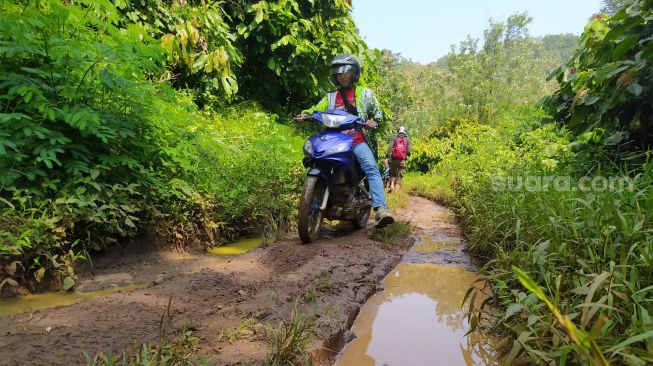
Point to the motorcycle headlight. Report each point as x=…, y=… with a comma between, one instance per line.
x=332, y=120
x=338, y=148
x=308, y=148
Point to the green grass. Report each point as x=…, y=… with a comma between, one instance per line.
x=590, y=253
x=180, y=351
x=397, y=199
x=432, y=186
x=290, y=338
x=392, y=235
x=311, y=294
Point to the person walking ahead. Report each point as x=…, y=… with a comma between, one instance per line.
x=360, y=101
x=398, y=151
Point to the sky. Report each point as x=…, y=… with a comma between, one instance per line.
x=424, y=30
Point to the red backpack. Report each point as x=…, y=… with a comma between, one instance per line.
x=399, y=150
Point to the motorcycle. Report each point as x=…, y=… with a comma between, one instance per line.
x=335, y=187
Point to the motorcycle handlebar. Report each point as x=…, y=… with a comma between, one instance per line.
x=303, y=117
x=308, y=117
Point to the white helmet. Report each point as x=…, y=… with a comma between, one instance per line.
x=402, y=129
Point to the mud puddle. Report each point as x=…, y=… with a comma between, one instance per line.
x=150, y=269
x=418, y=318
x=54, y=299
x=239, y=247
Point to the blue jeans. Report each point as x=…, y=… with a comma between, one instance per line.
x=366, y=160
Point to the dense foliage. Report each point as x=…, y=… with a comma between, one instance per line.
x=127, y=117
x=288, y=46
x=564, y=224
x=606, y=87
x=591, y=250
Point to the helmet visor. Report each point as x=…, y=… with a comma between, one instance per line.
x=341, y=69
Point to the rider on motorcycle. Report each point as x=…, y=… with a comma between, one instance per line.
x=360, y=101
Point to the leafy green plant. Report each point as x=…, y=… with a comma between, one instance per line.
x=201, y=54
x=97, y=146
x=287, y=46
x=248, y=329
x=74, y=110
x=290, y=339
x=606, y=84
x=311, y=294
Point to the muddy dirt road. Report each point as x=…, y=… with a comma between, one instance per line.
x=216, y=296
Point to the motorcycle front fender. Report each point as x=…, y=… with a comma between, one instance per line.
x=317, y=172
x=314, y=172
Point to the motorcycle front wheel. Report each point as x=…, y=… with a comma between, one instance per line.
x=309, y=220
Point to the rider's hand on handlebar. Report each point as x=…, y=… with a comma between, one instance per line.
x=302, y=117
x=371, y=124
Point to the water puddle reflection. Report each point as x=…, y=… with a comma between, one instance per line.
x=427, y=244
x=418, y=320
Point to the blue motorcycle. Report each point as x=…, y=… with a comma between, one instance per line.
x=335, y=188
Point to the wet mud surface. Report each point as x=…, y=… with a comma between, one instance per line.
x=211, y=294
x=216, y=294
x=438, y=238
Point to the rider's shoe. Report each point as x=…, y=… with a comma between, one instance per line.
x=383, y=218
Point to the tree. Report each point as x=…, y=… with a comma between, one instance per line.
x=476, y=79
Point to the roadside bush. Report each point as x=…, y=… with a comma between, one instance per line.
x=606, y=85
x=93, y=151
x=588, y=249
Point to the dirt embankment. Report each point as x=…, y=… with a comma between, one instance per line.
x=214, y=296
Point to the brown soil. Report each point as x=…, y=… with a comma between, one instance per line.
x=213, y=295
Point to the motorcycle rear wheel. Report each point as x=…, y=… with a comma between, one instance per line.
x=309, y=220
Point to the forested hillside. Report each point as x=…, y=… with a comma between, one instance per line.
x=121, y=118
x=477, y=79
